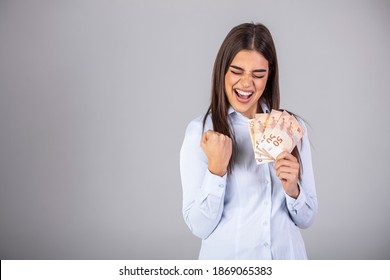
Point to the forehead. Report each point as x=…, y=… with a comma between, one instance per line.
x=249, y=59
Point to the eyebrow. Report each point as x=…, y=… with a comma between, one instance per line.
x=256, y=70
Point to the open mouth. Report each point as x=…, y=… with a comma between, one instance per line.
x=243, y=95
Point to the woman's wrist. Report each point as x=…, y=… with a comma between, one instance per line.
x=294, y=193
x=217, y=169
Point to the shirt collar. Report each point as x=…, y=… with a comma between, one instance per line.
x=264, y=107
x=237, y=117
x=231, y=110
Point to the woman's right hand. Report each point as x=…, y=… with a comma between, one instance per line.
x=218, y=149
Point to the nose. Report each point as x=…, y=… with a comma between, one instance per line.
x=246, y=80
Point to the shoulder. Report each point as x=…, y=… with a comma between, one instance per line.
x=304, y=124
x=195, y=126
x=301, y=121
x=304, y=144
x=191, y=148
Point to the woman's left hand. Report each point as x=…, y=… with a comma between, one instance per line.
x=287, y=169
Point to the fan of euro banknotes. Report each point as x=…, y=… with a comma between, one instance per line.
x=274, y=133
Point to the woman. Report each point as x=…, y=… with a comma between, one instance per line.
x=239, y=209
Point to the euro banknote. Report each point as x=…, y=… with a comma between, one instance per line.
x=273, y=133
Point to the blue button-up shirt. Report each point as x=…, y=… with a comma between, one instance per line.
x=245, y=214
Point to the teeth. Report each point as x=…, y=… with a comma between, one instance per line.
x=245, y=93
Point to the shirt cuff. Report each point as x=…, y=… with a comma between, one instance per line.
x=214, y=184
x=294, y=204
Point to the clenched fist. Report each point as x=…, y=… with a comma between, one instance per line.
x=218, y=149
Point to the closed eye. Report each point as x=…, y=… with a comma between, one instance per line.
x=236, y=73
x=258, y=77
x=239, y=71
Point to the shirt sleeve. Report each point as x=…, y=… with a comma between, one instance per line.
x=203, y=192
x=304, y=208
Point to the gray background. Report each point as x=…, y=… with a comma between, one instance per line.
x=95, y=97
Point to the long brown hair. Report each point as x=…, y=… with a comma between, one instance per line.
x=246, y=36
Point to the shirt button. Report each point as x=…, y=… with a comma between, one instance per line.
x=266, y=202
x=265, y=244
x=265, y=223
x=221, y=185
